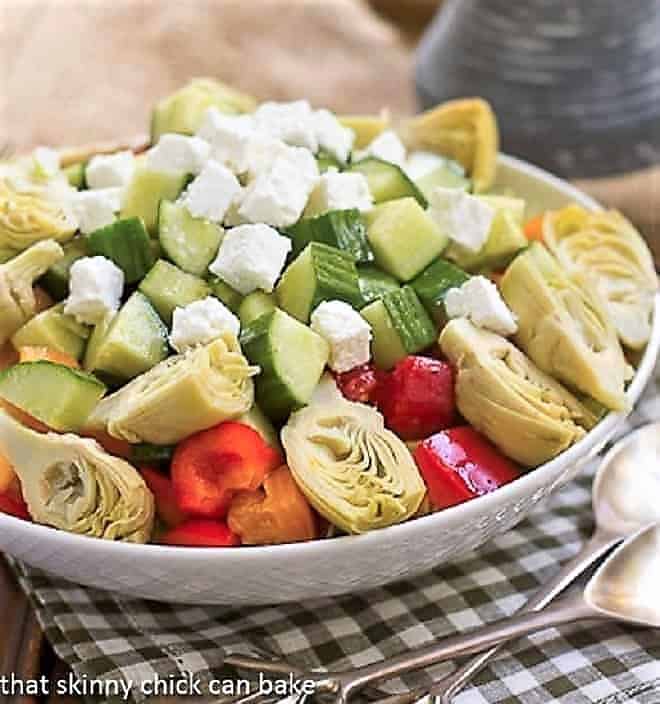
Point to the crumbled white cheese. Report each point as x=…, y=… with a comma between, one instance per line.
x=291, y=122
x=232, y=218
x=179, y=153
x=332, y=136
x=211, y=193
x=230, y=137
x=341, y=191
x=421, y=163
x=479, y=300
x=95, y=209
x=347, y=333
x=46, y=162
x=110, y=170
x=251, y=257
x=278, y=196
x=387, y=146
x=96, y=285
x=465, y=219
x=261, y=153
x=201, y=322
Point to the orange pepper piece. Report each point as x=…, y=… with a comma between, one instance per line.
x=7, y=475
x=276, y=513
x=34, y=354
x=8, y=356
x=534, y=228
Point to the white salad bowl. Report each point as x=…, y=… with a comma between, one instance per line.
x=280, y=573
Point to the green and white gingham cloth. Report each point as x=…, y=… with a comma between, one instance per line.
x=104, y=636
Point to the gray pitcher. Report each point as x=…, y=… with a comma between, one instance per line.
x=575, y=83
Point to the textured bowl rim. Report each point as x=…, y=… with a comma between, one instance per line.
x=329, y=548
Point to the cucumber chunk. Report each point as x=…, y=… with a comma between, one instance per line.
x=432, y=284
x=75, y=175
x=232, y=299
x=326, y=161
x=320, y=273
x=343, y=229
x=56, y=279
x=404, y=238
x=146, y=453
x=191, y=243
x=254, y=305
x=374, y=283
x=449, y=175
x=257, y=420
x=292, y=358
x=130, y=343
x=387, y=181
x=54, y=329
x=145, y=191
x=400, y=326
x=127, y=244
x=57, y=395
x=167, y=287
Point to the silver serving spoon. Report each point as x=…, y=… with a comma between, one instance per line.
x=623, y=589
x=625, y=498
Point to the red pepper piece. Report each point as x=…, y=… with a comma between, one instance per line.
x=417, y=397
x=161, y=487
x=12, y=502
x=460, y=464
x=208, y=467
x=201, y=533
x=360, y=384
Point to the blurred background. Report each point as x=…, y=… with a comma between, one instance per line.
x=575, y=84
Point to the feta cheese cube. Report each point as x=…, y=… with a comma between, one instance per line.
x=279, y=195
x=341, y=191
x=46, y=162
x=230, y=137
x=201, y=322
x=110, y=170
x=387, y=146
x=211, y=193
x=332, y=136
x=179, y=153
x=262, y=152
x=479, y=301
x=251, y=257
x=95, y=209
x=96, y=285
x=421, y=163
x=291, y=122
x=465, y=219
x=347, y=333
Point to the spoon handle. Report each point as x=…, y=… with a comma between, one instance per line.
x=600, y=542
x=572, y=608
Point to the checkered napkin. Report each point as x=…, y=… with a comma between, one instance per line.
x=103, y=636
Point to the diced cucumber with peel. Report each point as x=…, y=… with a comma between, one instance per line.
x=145, y=191
x=449, y=175
x=292, y=358
x=343, y=229
x=75, y=174
x=191, y=243
x=254, y=305
x=375, y=283
x=127, y=244
x=327, y=161
x=400, y=326
x=166, y=286
x=258, y=421
x=231, y=298
x=432, y=285
x=388, y=181
x=129, y=343
x=320, y=273
x=60, y=397
x=147, y=454
x=56, y=279
x=405, y=239
x=515, y=206
x=54, y=329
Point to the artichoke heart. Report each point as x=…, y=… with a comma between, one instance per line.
x=357, y=474
x=70, y=483
x=17, y=276
x=30, y=213
x=465, y=130
x=608, y=248
x=563, y=327
x=180, y=396
x=521, y=409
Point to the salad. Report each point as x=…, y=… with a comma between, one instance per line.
x=275, y=324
